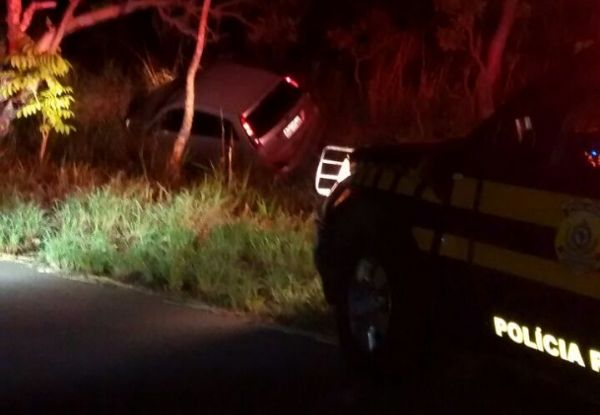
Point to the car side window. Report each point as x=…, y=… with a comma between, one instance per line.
x=502, y=148
x=205, y=125
x=550, y=150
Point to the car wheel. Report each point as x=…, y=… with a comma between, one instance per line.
x=382, y=319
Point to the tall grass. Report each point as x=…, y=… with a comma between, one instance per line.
x=22, y=226
x=233, y=246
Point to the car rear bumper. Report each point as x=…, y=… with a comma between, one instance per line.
x=285, y=155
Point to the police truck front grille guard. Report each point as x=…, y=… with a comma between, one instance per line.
x=334, y=166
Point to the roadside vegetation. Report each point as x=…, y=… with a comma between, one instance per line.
x=95, y=207
x=233, y=246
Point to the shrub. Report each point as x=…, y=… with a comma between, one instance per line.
x=233, y=247
x=22, y=225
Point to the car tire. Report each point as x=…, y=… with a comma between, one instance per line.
x=382, y=274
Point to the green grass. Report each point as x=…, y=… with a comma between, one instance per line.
x=22, y=226
x=235, y=247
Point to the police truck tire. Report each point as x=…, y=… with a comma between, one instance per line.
x=382, y=273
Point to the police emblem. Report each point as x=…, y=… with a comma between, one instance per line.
x=577, y=241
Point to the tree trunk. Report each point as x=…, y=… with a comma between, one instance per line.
x=484, y=94
x=489, y=75
x=44, y=145
x=176, y=161
x=14, y=34
x=60, y=32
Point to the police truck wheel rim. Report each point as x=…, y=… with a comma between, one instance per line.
x=369, y=305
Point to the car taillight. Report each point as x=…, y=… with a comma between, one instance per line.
x=250, y=131
x=292, y=82
x=247, y=127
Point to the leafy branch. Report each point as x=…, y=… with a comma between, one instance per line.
x=33, y=82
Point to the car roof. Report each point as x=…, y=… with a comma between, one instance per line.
x=230, y=88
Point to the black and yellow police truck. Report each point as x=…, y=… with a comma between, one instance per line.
x=490, y=241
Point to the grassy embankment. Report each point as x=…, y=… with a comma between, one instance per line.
x=234, y=247
x=88, y=211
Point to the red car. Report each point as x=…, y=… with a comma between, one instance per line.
x=268, y=117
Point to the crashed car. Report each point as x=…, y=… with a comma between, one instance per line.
x=488, y=243
x=267, y=118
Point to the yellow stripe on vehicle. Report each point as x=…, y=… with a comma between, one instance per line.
x=386, y=179
x=464, y=192
x=358, y=176
x=364, y=174
x=407, y=184
x=424, y=238
x=523, y=204
x=537, y=269
x=430, y=196
x=370, y=175
x=530, y=267
x=454, y=247
x=371, y=171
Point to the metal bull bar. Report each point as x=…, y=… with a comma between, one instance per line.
x=334, y=167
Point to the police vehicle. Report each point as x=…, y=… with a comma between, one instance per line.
x=489, y=242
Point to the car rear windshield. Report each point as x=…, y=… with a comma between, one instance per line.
x=273, y=108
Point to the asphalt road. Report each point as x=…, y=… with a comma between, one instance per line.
x=73, y=347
